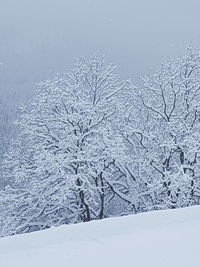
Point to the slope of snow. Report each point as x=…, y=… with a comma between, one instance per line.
x=155, y=239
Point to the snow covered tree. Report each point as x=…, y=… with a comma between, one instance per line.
x=69, y=147
x=168, y=131
x=92, y=146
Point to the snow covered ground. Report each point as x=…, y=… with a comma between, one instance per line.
x=155, y=239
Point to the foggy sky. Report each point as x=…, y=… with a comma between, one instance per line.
x=39, y=38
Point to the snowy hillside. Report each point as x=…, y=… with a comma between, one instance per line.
x=155, y=239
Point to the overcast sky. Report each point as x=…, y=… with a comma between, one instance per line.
x=39, y=38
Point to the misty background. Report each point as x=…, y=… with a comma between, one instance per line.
x=39, y=38
x=102, y=150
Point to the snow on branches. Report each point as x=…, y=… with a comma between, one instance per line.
x=92, y=146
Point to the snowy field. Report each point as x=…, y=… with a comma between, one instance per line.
x=155, y=239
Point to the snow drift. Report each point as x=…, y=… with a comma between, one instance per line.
x=154, y=239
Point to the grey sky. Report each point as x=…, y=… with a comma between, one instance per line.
x=41, y=37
